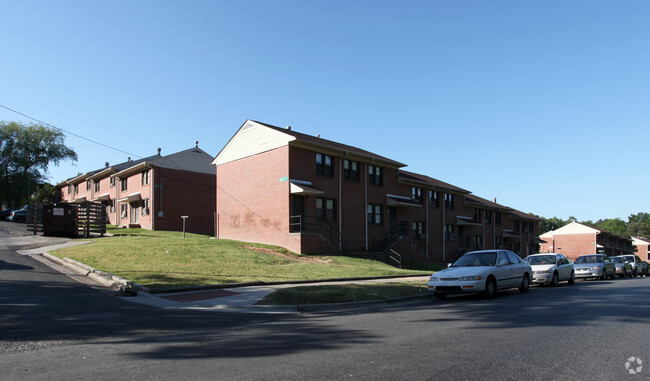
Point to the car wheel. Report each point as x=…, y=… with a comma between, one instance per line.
x=613, y=276
x=525, y=284
x=572, y=279
x=490, y=288
x=440, y=295
x=555, y=281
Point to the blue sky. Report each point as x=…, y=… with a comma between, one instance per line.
x=541, y=104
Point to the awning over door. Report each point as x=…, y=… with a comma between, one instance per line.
x=510, y=234
x=463, y=221
x=133, y=197
x=104, y=197
x=303, y=189
x=80, y=199
x=394, y=200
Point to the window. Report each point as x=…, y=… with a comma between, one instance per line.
x=449, y=201
x=416, y=194
x=513, y=258
x=351, y=170
x=374, y=214
x=516, y=224
x=375, y=175
x=488, y=216
x=450, y=234
x=531, y=227
x=498, y=244
x=502, y=259
x=112, y=206
x=112, y=182
x=145, y=177
x=477, y=215
x=124, y=210
x=326, y=209
x=123, y=184
x=478, y=242
x=497, y=218
x=69, y=189
x=75, y=188
x=145, y=207
x=434, y=199
x=418, y=229
x=96, y=186
x=87, y=184
x=324, y=165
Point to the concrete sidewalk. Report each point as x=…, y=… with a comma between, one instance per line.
x=238, y=298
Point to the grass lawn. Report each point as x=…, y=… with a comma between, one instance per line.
x=344, y=293
x=162, y=259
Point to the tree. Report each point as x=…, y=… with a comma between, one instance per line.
x=613, y=225
x=48, y=194
x=638, y=225
x=27, y=151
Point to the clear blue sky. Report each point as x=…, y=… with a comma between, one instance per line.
x=544, y=105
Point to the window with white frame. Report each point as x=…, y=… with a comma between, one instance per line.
x=449, y=201
x=324, y=165
x=96, y=186
x=124, y=210
x=326, y=209
x=351, y=170
x=123, y=184
x=145, y=177
x=418, y=229
x=375, y=175
x=374, y=214
x=145, y=206
x=112, y=182
x=434, y=198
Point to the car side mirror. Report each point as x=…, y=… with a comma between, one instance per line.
x=448, y=265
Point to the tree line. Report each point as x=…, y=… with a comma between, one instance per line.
x=26, y=152
x=637, y=225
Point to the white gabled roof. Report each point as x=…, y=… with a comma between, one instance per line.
x=251, y=139
x=572, y=228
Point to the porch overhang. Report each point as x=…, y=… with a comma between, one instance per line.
x=510, y=234
x=133, y=197
x=80, y=199
x=104, y=197
x=464, y=221
x=302, y=189
x=400, y=201
x=539, y=240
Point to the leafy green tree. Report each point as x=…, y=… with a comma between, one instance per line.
x=638, y=225
x=48, y=194
x=548, y=224
x=613, y=225
x=27, y=151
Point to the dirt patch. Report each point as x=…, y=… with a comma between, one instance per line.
x=288, y=256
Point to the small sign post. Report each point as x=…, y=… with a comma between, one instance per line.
x=184, y=218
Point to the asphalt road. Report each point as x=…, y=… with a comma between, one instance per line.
x=56, y=328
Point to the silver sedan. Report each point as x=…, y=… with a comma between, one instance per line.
x=551, y=269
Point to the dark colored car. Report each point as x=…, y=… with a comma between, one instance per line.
x=4, y=214
x=21, y=214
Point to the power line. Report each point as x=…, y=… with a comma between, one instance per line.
x=70, y=133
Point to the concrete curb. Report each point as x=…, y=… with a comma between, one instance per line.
x=98, y=276
x=296, y=282
x=365, y=304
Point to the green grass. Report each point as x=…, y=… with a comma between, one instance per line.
x=343, y=293
x=162, y=259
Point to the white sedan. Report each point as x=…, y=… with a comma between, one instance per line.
x=551, y=268
x=484, y=272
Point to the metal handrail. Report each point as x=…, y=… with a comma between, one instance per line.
x=395, y=256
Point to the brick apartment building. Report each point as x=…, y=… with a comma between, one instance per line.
x=153, y=192
x=313, y=195
x=642, y=246
x=576, y=239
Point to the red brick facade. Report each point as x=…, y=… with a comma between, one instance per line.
x=313, y=196
x=575, y=239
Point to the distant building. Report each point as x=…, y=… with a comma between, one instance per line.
x=313, y=195
x=153, y=192
x=642, y=246
x=576, y=239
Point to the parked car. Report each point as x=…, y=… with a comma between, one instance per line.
x=484, y=271
x=4, y=214
x=646, y=266
x=21, y=214
x=594, y=266
x=637, y=267
x=623, y=267
x=551, y=269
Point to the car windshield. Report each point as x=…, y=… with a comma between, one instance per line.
x=618, y=260
x=590, y=259
x=541, y=260
x=477, y=259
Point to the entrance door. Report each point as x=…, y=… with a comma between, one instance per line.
x=392, y=219
x=297, y=221
x=135, y=215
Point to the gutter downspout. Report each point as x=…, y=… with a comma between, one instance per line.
x=365, y=206
x=340, y=204
x=426, y=223
x=444, y=230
